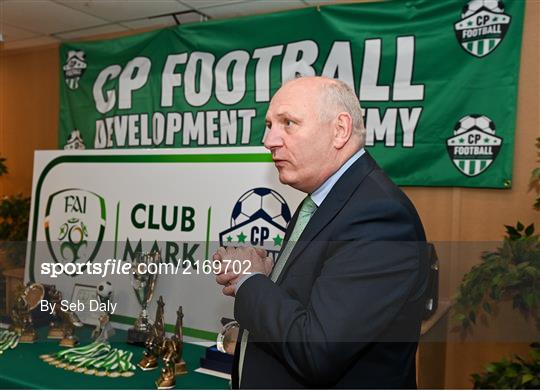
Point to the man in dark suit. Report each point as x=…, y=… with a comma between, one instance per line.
x=342, y=306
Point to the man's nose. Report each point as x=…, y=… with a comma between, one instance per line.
x=272, y=139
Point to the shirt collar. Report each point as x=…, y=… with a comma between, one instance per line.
x=320, y=194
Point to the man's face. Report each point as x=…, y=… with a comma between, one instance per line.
x=300, y=143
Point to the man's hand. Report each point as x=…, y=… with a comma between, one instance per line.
x=251, y=260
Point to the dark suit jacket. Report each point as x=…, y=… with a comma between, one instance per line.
x=346, y=310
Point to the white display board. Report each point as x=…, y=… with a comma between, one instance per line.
x=90, y=206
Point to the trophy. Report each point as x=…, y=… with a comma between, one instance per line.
x=70, y=320
x=226, y=340
x=219, y=357
x=171, y=354
x=55, y=327
x=143, y=284
x=178, y=340
x=153, y=344
x=27, y=299
x=104, y=329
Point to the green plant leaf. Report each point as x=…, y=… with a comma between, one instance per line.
x=526, y=378
x=529, y=230
x=520, y=226
x=512, y=231
x=491, y=368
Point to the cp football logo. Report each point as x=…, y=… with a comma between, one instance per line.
x=482, y=27
x=474, y=145
x=75, y=233
x=74, y=68
x=259, y=218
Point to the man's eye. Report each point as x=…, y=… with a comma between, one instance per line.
x=289, y=122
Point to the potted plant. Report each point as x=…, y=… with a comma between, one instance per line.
x=14, y=218
x=510, y=273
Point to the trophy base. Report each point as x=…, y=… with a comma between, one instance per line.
x=68, y=342
x=166, y=380
x=148, y=363
x=180, y=368
x=137, y=337
x=55, y=333
x=28, y=337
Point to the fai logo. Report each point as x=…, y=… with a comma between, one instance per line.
x=474, y=145
x=74, y=68
x=259, y=218
x=482, y=27
x=75, y=140
x=74, y=225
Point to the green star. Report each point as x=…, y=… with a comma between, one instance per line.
x=241, y=238
x=229, y=238
x=277, y=240
x=469, y=23
x=461, y=140
x=495, y=19
x=486, y=140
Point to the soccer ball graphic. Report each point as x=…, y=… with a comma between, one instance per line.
x=474, y=121
x=261, y=202
x=474, y=5
x=104, y=290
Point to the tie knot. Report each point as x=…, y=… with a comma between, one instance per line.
x=308, y=206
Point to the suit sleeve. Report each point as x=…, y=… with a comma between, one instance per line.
x=368, y=276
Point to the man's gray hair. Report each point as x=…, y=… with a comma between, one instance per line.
x=339, y=96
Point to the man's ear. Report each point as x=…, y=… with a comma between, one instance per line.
x=342, y=129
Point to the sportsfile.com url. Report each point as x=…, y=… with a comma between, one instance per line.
x=118, y=267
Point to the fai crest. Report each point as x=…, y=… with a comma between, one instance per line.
x=259, y=218
x=74, y=68
x=75, y=232
x=474, y=145
x=482, y=27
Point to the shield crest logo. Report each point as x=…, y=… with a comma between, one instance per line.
x=474, y=146
x=482, y=27
x=74, y=68
x=75, y=221
x=259, y=218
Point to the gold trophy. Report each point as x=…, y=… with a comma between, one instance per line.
x=55, y=327
x=171, y=354
x=70, y=320
x=178, y=340
x=154, y=342
x=27, y=299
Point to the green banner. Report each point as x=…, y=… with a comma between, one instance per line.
x=437, y=80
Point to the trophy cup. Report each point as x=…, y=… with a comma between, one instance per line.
x=104, y=329
x=143, y=284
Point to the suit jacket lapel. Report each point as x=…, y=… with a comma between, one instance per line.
x=332, y=204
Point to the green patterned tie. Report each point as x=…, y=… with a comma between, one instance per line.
x=306, y=211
